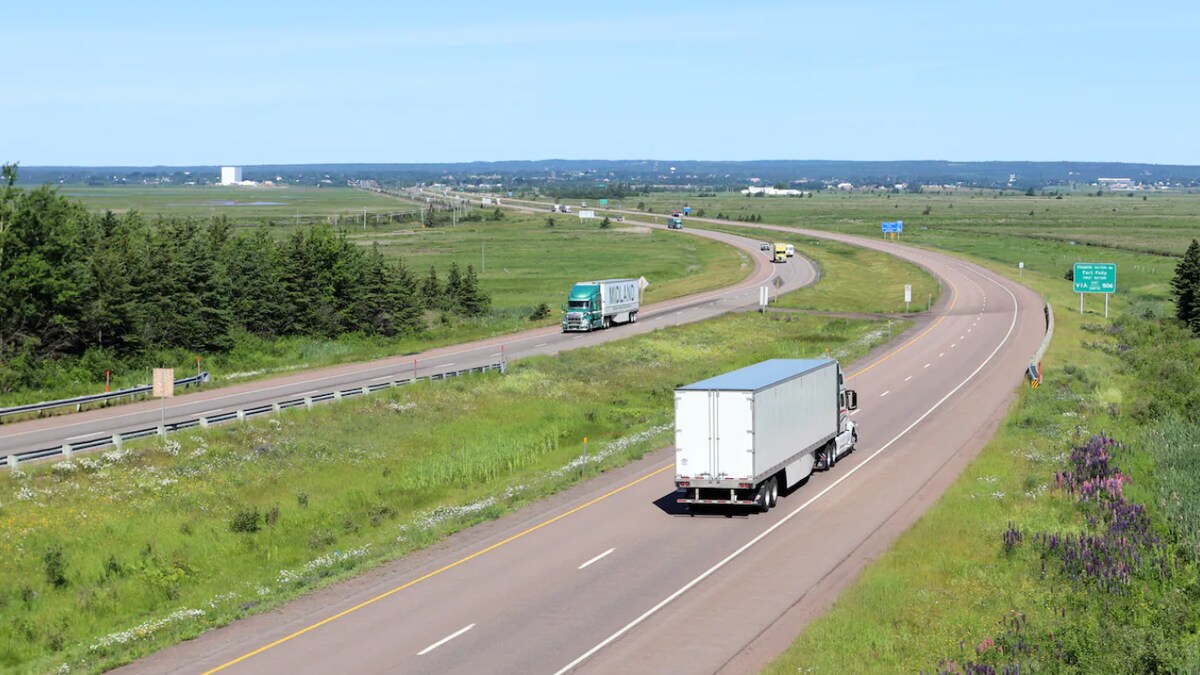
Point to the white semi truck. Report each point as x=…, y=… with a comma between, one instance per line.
x=742, y=436
x=600, y=304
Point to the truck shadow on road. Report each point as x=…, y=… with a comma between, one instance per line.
x=668, y=505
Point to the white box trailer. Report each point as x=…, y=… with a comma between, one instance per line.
x=742, y=435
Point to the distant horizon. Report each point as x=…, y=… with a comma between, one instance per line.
x=24, y=165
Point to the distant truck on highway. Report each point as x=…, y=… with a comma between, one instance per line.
x=600, y=304
x=674, y=223
x=780, y=253
x=743, y=436
x=791, y=250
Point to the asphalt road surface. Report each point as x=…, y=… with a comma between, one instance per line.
x=613, y=577
x=50, y=432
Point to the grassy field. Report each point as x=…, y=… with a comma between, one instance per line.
x=527, y=264
x=157, y=543
x=282, y=204
x=972, y=584
x=1159, y=223
x=853, y=279
x=523, y=263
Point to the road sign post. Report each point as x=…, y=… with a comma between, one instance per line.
x=164, y=388
x=1095, y=278
x=1020, y=269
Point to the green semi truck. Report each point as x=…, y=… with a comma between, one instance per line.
x=600, y=304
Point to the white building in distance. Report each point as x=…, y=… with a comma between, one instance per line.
x=231, y=175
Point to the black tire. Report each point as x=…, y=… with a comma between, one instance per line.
x=831, y=455
x=764, y=497
x=773, y=491
x=633, y=317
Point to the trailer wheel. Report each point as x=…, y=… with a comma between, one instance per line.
x=633, y=317
x=607, y=322
x=830, y=455
x=764, y=498
x=773, y=491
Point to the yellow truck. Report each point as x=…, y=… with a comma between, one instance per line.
x=780, y=255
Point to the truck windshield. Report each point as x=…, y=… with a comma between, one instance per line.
x=577, y=304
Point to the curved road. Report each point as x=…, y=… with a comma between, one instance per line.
x=611, y=577
x=51, y=432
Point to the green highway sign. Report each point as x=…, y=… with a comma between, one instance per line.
x=1095, y=277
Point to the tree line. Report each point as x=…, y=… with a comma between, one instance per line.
x=73, y=281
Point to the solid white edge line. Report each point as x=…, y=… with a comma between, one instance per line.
x=385, y=377
x=710, y=571
x=443, y=365
x=596, y=558
x=444, y=640
x=541, y=344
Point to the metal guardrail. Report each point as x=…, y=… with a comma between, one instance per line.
x=205, y=421
x=80, y=401
x=1035, y=364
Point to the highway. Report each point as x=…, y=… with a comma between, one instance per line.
x=50, y=432
x=613, y=577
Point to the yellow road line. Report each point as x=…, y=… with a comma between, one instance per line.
x=436, y=572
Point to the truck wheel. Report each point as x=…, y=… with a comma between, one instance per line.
x=831, y=455
x=773, y=491
x=633, y=317
x=764, y=497
x=607, y=322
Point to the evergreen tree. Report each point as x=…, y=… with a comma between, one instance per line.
x=41, y=272
x=108, y=305
x=454, y=288
x=432, y=293
x=472, y=301
x=1186, y=288
x=210, y=326
x=258, y=294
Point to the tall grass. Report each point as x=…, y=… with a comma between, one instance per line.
x=110, y=556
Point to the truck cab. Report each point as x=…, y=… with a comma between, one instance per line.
x=582, y=308
x=780, y=254
x=791, y=250
x=674, y=223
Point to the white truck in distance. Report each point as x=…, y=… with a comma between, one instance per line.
x=742, y=436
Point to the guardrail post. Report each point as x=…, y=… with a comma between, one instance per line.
x=241, y=415
x=117, y=441
x=203, y=422
x=67, y=451
x=308, y=402
x=366, y=390
x=337, y=395
x=162, y=430
x=13, y=463
x=275, y=407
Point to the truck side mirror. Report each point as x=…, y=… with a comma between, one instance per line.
x=851, y=399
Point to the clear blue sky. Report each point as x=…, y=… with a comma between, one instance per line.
x=131, y=83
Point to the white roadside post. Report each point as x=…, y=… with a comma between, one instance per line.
x=907, y=296
x=1020, y=269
